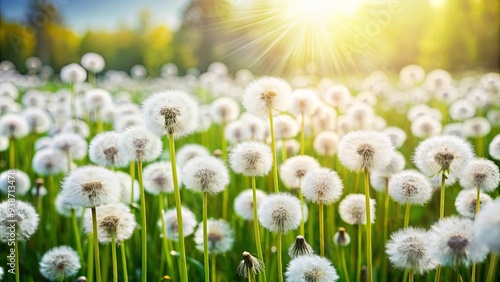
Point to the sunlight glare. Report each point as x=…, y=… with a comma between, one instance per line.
x=322, y=10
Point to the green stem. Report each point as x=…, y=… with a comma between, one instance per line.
x=113, y=254
x=360, y=254
x=214, y=269
x=132, y=177
x=344, y=264
x=492, y=268
x=280, y=262
x=205, y=237
x=437, y=278
x=478, y=200
x=256, y=227
x=321, y=230
x=124, y=261
x=225, y=193
x=178, y=205
x=273, y=149
x=90, y=258
x=284, y=151
x=480, y=146
x=411, y=275
x=144, y=245
x=164, y=233
x=76, y=230
x=16, y=254
x=302, y=220
x=12, y=154
x=302, y=136
x=473, y=274
x=407, y=215
x=96, y=246
x=441, y=205
x=368, y=227
x=386, y=227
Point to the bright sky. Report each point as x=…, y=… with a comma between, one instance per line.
x=81, y=15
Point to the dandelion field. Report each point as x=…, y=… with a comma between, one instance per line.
x=401, y=138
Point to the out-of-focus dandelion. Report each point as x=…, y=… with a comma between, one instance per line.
x=59, y=263
x=466, y=202
x=342, y=239
x=104, y=150
x=486, y=229
x=311, y=268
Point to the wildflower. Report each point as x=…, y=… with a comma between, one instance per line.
x=365, y=149
x=70, y=143
x=224, y=109
x=158, y=178
x=254, y=125
x=481, y=174
x=285, y=127
x=23, y=215
x=411, y=75
x=190, y=151
x=17, y=182
x=447, y=95
x=311, y=268
x=304, y=102
x=408, y=249
x=171, y=225
x=352, y=209
x=64, y=208
x=93, y=62
x=486, y=227
x=112, y=220
x=326, y=143
x=236, y=132
x=437, y=79
x=462, y=109
x=249, y=264
x=49, y=161
x=205, y=174
x=91, y=186
x=341, y=237
x=337, y=96
x=280, y=213
x=96, y=99
x=425, y=126
x=494, y=147
x=76, y=126
x=39, y=121
x=442, y=154
x=292, y=146
x=293, y=170
x=220, y=236
x=171, y=112
x=451, y=240
x=8, y=89
x=465, y=203
x=126, y=187
x=138, y=143
x=59, y=263
x=476, y=127
x=243, y=203
x=266, y=96
x=322, y=185
x=128, y=121
x=454, y=128
x=410, y=187
x=300, y=248
x=396, y=165
x=73, y=73
x=251, y=158
x=397, y=135
x=360, y=114
x=105, y=151
x=13, y=126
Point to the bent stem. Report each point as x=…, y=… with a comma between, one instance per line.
x=256, y=227
x=273, y=149
x=321, y=230
x=144, y=244
x=170, y=265
x=96, y=246
x=177, y=197
x=113, y=254
x=407, y=215
x=124, y=261
x=368, y=226
x=205, y=236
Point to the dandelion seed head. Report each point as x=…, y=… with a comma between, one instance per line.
x=205, y=174
x=13, y=125
x=255, y=126
x=158, y=178
x=462, y=109
x=70, y=143
x=285, y=127
x=138, y=143
x=411, y=75
x=311, y=268
x=126, y=187
x=39, y=121
x=171, y=224
x=236, y=132
x=249, y=264
x=93, y=62
x=304, y=101
x=476, y=127
x=486, y=227
x=280, y=213
x=21, y=182
x=322, y=185
x=300, y=248
x=190, y=151
x=9, y=89
x=410, y=187
x=341, y=237
x=59, y=262
x=243, y=203
x=224, y=109
x=337, y=96
x=267, y=95
x=25, y=218
x=396, y=165
x=251, y=158
x=64, y=208
x=73, y=73
x=104, y=150
x=49, y=161
x=97, y=98
x=425, y=126
x=293, y=170
x=465, y=202
x=352, y=209
x=480, y=173
x=326, y=143
x=111, y=219
x=220, y=236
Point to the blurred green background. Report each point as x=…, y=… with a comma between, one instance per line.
x=384, y=35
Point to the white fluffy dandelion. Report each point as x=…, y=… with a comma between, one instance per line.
x=462, y=109
x=494, y=147
x=365, y=149
x=352, y=209
x=280, y=213
x=13, y=126
x=17, y=218
x=486, y=227
x=465, y=202
x=285, y=127
x=293, y=170
x=73, y=73
x=451, y=240
x=70, y=143
x=14, y=181
x=481, y=174
x=251, y=158
x=425, y=126
x=220, y=236
x=243, y=203
x=224, y=109
x=126, y=188
x=322, y=185
x=138, y=143
x=205, y=174
x=97, y=98
x=171, y=224
x=397, y=164
x=236, y=132
x=311, y=268
x=39, y=120
x=59, y=263
x=49, y=161
x=326, y=143
x=112, y=220
x=158, y=178
x=397, y=135
x=304, y=102
x=171, y=112
x=267, y=96
x=410, y=187
x=91, y=186
x=409, y=249
x=190, y=151
x=476, y=127
x=93, y=62
x=104, y=150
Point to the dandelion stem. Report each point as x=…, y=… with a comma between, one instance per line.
x=214, y=269
x=407, y=215
x=225, y=193
x=132, y=177
x=302, y=136
x=124, y=261
x=170, y=265
x=205, y=237
x=321, y=230
x=12, y=153
x=473, y=274
x=144, y=245
x=360, y=254
x=411, y=275
x=441, y=206
x=368, y=226
x=96, y=246
x=90, y=258
x=283, y=151
x=76, y=230
x=113, y=254
x=478, y=200
x=492, y=268
x=302, y=223
x=16, y=253
x=256, y=227
x=280, y=262
x=273, y=149
x=178, y=205
x=344, y=264
x=437, y=278
x=386, y=227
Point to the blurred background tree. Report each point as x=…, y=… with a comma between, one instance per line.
x=456, y=35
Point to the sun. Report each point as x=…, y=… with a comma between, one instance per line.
x=322, y=10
